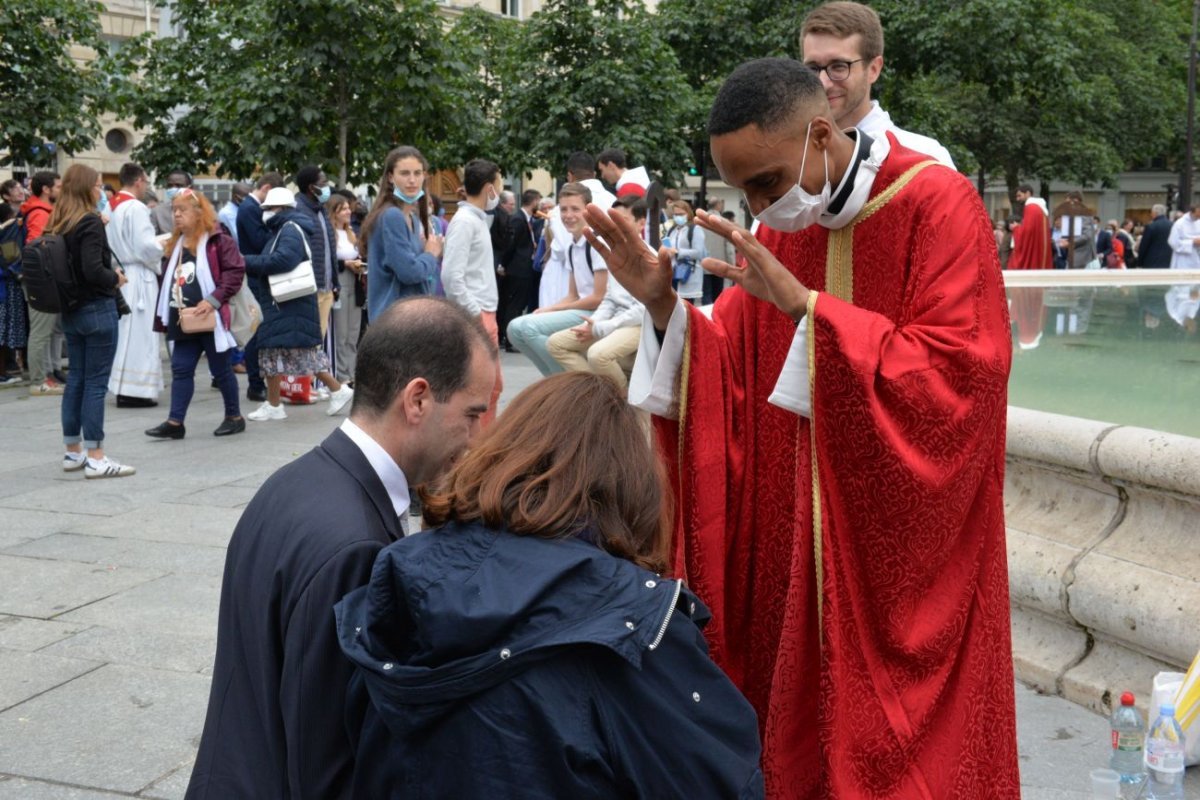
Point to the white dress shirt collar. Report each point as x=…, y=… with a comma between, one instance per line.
x=385, y=467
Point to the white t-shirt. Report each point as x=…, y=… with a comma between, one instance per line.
x=577, y=260
x=345, y=250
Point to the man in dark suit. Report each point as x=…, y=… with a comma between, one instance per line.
x=517, y=258
x=1153, y=251
x=275, y=725
x=252, y=238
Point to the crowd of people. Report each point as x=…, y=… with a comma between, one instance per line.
x=796, y=587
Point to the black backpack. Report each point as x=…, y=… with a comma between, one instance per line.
x=46, y=275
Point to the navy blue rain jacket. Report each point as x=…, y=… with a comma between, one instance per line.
x=494, y=665
x=293, y=324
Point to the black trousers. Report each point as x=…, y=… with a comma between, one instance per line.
x=515, y=290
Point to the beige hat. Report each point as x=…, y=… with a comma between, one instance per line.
x=279, y=196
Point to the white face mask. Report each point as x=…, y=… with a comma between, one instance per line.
x=268, y=214
x=491, y=203
x=798, y=209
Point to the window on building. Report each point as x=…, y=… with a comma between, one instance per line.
x=511, y=8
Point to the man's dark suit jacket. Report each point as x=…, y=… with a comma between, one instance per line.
x=276, y=713
x=518, y=258
x=1153, y=251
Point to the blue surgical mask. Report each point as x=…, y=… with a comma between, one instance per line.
x=680, y=219
x=102, y=203
x=405, y=198
x=172, y=191
x=323, y=193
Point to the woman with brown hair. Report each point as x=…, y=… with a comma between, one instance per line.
x=201, y=274
x=401, y=248
x=351, y=280
x=90, y=327
x=527, y=646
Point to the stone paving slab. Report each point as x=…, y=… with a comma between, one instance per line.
x=185, y=605
x=170, y=522
x=25, y=524
x=38, y=588
x=218, y=496
x=29, y=674
x=118, y=728
x=137, y=646
x=112, y=551
x=26, y=633
x=12, y=788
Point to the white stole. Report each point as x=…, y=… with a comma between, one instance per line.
x=223, y=338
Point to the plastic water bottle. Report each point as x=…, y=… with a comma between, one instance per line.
x=1164, y=756
x=1128, y=741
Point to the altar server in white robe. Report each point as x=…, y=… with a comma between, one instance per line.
x=137, y=368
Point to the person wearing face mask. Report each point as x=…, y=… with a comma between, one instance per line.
x=399, y=245
x=687, y=252
x=310, y=202
x=163, y=216
x=837, y=429
x=468, y=263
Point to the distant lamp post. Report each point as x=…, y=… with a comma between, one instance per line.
x=1185, y=182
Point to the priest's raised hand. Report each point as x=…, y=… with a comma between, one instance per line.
x=763, y=276
x=644, y=274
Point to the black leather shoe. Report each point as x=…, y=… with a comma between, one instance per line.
x=256, y=395
x=166, y=431
x=228, y=427
x=125, y=401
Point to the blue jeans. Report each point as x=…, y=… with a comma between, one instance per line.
x=185, y=355
x=91, y=332
x=530, y=332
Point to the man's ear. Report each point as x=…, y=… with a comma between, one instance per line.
x=874, y=68
x=415, y=400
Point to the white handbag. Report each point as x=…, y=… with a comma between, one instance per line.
x=296, y=282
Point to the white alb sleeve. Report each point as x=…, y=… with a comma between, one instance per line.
x=652, y=383
x=792, y=391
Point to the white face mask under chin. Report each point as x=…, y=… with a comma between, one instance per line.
x=798, y=209
x=491, y=203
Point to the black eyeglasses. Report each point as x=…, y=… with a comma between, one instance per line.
x=836, y=70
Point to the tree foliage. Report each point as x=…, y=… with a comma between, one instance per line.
x=47, y=96
x=595, y=75
x=281, y=83
x=1073, y=91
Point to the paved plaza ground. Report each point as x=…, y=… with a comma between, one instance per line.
x=109, y=592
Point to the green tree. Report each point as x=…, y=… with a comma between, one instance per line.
x=483, y=47
x=1073, y=90
x=281, y=83
x=47, y=95
x=595, y=75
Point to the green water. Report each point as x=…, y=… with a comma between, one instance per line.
x=1118, y=370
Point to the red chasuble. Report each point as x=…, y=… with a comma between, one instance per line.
x=1031, y=250
x=877, y=652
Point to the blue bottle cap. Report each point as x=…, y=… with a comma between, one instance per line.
x=1167, y=709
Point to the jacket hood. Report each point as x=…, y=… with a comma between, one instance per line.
x=33, y=203
x=457, y=610
x=290, y=215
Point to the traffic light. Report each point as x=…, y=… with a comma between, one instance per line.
x=693, y=171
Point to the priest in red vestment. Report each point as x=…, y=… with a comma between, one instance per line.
x=835, y=434
x=1031, y=250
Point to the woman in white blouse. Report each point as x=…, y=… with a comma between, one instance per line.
x=352, y=277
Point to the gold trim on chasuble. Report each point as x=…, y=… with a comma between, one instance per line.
x=839, y=282
x=681, y=392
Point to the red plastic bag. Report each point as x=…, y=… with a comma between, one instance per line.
x=297, y=389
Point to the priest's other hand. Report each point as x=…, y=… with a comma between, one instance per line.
x=636, y=267
x=763, y=276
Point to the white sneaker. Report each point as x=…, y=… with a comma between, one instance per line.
x=73, y=462
x=322, y=393
x=107, y=468
x=267, y=412
x=339, y=399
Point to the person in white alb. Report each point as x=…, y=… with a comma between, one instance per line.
x=136, y=377
x=581, y=168
x=1183, y=301
x=843, y=43
x=605, y=343
x=468, y=263
x=587, y=282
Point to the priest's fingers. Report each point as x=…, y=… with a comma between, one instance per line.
x=719, y=225
x=722, y=269
x=599, y=245
x=612, y=227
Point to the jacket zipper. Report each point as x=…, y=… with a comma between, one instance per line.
x=662, y=630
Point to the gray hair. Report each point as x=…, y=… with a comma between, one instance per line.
x=1157, y=210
